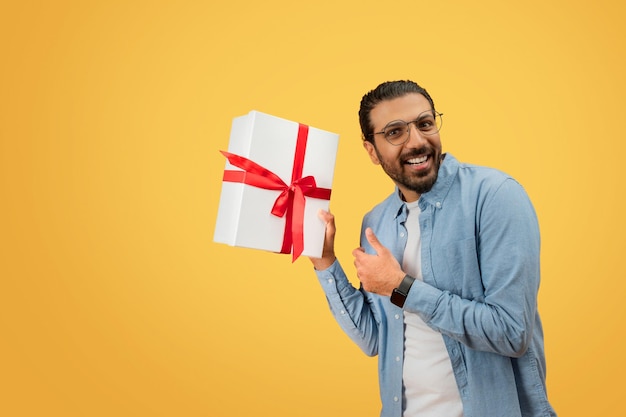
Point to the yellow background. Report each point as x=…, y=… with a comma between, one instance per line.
x=114, y=301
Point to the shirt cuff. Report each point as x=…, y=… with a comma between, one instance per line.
x=334, y=281
x=422, y=299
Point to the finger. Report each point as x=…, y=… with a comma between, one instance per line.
x=326, y=217
x=373, y=240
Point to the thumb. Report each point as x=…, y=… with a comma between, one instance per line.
x=373, y=240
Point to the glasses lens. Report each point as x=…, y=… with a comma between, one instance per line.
x=396, y=132
x=429, y=122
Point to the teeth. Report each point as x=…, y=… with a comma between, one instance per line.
x=417, y=160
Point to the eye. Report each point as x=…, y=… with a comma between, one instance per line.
x=426, y=124
x=392, y=132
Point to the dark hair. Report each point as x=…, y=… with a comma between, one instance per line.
x=386, y=91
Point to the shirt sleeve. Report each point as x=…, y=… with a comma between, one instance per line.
x=351, y=307
x=507, y=244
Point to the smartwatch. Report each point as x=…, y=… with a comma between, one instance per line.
x=398, y=296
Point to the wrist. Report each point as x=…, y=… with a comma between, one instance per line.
x=323, y=263
x=399, y=294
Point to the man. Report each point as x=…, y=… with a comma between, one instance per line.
x=449, y=271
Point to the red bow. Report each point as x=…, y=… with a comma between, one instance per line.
x=290, y=201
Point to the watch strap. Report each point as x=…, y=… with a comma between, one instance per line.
x=406, y=284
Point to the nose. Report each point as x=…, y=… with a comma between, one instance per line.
x=416, y=139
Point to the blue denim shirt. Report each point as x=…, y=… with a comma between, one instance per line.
x=480, y=265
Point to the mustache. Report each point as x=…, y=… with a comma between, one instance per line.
x=415, y=153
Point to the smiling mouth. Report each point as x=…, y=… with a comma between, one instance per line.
x=417, y=161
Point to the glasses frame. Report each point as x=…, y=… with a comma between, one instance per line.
x=408, y=127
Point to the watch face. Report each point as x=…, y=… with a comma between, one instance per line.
x=398, y=298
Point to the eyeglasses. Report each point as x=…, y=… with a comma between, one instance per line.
x=398, y=132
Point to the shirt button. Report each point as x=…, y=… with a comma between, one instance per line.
x=395, y=399
x=330, y=280
x=401, y=234
x=397, y=316
x=438, y=204
x=343, y=312
x=397, y=358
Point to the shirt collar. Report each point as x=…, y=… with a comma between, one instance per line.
x=447, y=173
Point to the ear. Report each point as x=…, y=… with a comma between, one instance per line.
x=371, y=151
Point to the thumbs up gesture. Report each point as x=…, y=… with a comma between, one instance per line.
x=379, y=273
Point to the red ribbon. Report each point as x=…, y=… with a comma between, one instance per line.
x=291, y=200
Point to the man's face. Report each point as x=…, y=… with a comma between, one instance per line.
x=414, y=165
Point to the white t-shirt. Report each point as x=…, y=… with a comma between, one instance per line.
x=429, y=386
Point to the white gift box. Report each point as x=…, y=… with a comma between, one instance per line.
x=272, y=159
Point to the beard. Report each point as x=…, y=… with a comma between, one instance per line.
x=419, y=182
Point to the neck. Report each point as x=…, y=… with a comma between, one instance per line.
x=408, y=196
